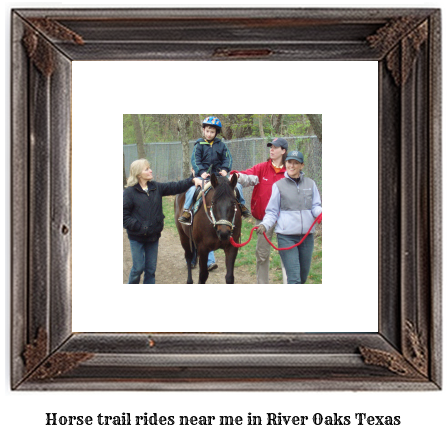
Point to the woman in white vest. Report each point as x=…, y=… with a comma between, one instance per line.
x=293, y=206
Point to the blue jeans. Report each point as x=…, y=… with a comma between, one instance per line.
x=241, y=193
x=210, y=261
x=190, y=193
x=144, y=259
x=296, y=260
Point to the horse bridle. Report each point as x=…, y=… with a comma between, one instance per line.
x=212, y=219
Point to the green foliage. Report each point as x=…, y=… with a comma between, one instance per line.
x=292, y=125
x=128, y=131
x=296, y=125
x=155, y=127
x=164, y=127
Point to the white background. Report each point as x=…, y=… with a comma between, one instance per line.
x=23, y=413
x=347, y=98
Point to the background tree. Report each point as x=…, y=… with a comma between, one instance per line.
x=316, y=122
x=162, y=128
x=260, y=125
x=237, y=125
x=183, y=124
x=277, y=123
x=228, y=121
x=138, y=135
x=147, y=123
x=128, y=131
x=197, y=120
x=245, y=126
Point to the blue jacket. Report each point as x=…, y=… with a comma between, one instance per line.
x=293, y=206
x=204, y=155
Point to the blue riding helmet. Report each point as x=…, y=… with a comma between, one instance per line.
x=212, y=121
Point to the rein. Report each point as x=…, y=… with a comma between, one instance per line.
x=239, y=245
x=205, y=207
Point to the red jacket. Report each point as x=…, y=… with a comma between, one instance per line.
x=262, y=191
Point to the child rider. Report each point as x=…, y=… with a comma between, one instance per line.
x=210, y=152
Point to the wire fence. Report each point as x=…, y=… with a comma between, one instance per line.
x=166, y=158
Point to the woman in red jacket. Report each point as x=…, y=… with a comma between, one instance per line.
x=262, y=177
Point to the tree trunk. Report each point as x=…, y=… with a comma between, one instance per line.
x=266, y=150
x=276, y=123
x=183, y=123
x=138, y=135
x=261, y=126
x=228, y=131
x=316, y=123
x=197, y=126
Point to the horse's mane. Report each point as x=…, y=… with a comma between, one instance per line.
x=223, y=189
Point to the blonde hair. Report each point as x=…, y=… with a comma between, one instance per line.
x=136, y=168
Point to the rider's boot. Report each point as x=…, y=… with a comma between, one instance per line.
x=185, y=217
x=245, y=211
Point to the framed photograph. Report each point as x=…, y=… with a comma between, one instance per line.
x=173, y=145
x=50, y=352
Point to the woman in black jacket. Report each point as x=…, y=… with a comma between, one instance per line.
x=143, y=217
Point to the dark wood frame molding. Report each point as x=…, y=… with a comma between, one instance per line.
x=405, y=354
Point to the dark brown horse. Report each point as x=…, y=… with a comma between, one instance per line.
x=212, y=229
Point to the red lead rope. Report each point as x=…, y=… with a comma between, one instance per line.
x=239, y=245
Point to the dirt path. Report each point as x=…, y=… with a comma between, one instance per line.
x=171, y=264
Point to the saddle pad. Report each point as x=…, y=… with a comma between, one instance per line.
x=197, y=198
x=197, y=195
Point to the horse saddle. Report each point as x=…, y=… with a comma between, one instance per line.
x=197, y=198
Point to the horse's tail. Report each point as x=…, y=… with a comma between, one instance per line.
x=192, y=244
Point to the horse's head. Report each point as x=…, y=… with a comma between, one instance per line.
x=223, y=205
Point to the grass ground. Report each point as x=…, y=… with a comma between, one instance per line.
x=246, y=255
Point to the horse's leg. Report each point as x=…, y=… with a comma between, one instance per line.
x=230, y=258
x=203, y=264
x=184, y=239
x=189, y=256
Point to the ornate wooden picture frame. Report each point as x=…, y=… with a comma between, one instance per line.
x=405, y=353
